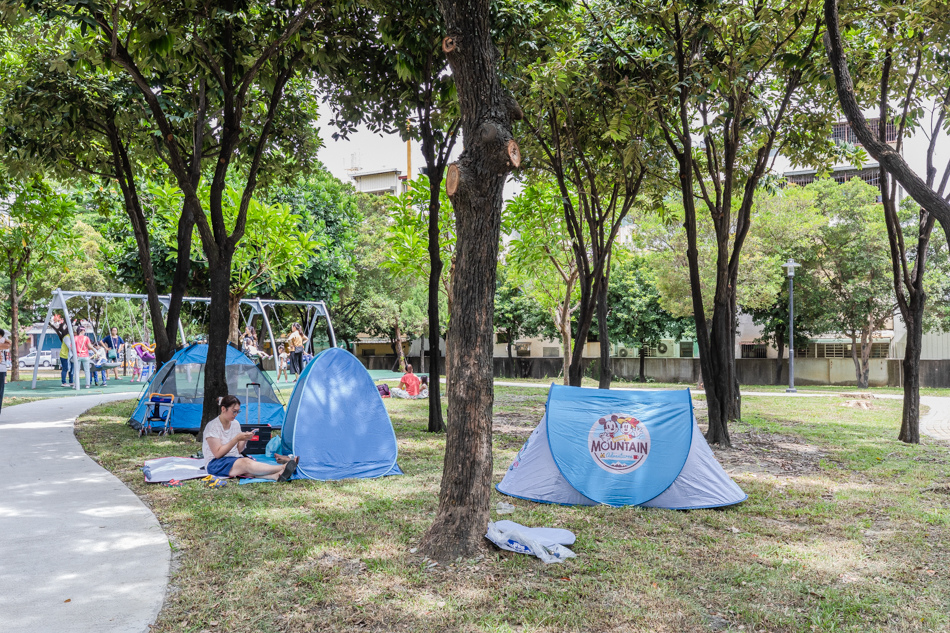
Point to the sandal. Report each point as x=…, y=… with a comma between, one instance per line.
x=289, y=469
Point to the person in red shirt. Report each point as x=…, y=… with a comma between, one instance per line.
x=82, y=353
x=410, y=382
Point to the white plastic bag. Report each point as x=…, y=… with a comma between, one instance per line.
x=514, y=537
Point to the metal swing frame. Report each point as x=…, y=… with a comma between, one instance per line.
x=258, y=305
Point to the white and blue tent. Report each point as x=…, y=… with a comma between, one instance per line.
x=337, y=423
x=184, y=377
x=619, y=448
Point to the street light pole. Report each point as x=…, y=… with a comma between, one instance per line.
x=791, y=265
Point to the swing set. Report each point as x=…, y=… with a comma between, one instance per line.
x=146, y=349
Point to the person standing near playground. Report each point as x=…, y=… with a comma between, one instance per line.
x=113, y=344
x=82, y=353
x=222, y=443
x=98, y=360
x=282, y=365
x=295, y=343
x=5, y=346
x=66, y=355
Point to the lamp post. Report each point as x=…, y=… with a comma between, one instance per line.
x=790, y=266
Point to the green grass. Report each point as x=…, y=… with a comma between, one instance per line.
x=845, y=529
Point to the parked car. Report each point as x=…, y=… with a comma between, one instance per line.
x=46, y=359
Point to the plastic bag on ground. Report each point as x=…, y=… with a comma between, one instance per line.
x=540, y=542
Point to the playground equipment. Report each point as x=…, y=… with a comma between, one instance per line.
x=258, y=306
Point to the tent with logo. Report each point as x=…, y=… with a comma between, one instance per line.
x=184, y=377
x=337, y=423
x=618, y=448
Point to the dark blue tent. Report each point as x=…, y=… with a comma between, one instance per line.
x=337, y=423
x=183, y=377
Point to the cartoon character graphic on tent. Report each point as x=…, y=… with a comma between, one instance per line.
x=619, y=443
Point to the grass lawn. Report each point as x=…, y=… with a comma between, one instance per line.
x=845, y=529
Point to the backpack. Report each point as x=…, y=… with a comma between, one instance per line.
x=383, y=390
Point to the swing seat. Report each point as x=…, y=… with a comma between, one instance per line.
x=159, y=409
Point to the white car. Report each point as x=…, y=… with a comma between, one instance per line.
x=46, y=359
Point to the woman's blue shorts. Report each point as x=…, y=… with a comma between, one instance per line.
x=221, y=467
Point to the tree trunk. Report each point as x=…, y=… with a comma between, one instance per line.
x=780, y=343
x=219, y=321
x=643, y=362
x=867, y=340
x=15, y=331
x=606, y=371
x=910, y=416
x=400, y=352
x=563, y=317
x=234, y=321
x=719, y=379
x=489, y=154
x=436, y=423
x=511, y=360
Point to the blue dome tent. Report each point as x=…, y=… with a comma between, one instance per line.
x=619, y=448
x=337, y=423
x=183, y=377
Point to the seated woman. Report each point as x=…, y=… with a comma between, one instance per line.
x=408, y=385
x=222, y=445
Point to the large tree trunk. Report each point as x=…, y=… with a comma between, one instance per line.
x=436, y=423
x=719, y=378
x=606, y=371
x=585, y=318
x=910, y=416
x=219, y=322
x=511, y=359
x=476, y=191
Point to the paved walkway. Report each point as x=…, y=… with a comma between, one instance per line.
x=79, y=552
x=936, y=423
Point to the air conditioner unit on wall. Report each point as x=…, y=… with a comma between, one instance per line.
x=623, y=352
x=662, y=348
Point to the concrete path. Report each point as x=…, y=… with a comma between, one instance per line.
x=79, y=552
x=936, y=423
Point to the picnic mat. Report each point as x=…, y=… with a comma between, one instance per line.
x=167, y=468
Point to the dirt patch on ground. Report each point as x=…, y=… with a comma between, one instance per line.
x=764, y=453
x=515, y=424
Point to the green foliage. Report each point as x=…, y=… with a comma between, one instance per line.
x=517, y=314
x=329, y=210
x=636, y=316
x=851, y=258
x=407, y=237
x=274, y=249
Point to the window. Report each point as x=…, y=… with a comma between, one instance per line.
x=833, y=350
x=842, y=133
x=880, y=350
x=647, y=351
x=871, y=175
x=501, y=337
x=686, y=349
x=801, y=179
x=754, y=351
x=368, y=352
x=551, y=352
x=523, y=349
x=802, y=352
